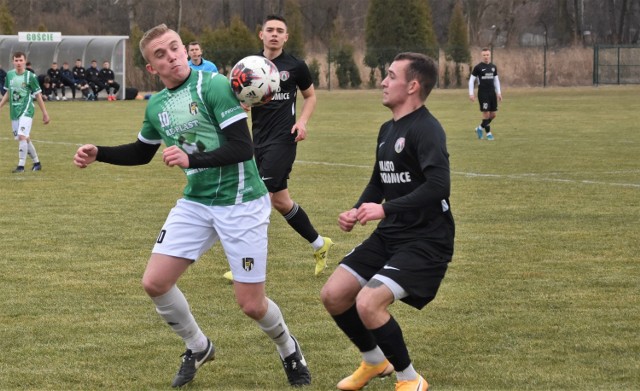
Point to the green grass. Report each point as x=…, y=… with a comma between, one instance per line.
x=543, y=291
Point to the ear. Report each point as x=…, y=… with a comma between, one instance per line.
x=413, y=87
x=150, y=69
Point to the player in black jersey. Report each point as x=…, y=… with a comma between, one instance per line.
x=407, y=255
x=488, y=92
x=276, y=132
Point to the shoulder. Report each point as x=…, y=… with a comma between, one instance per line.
x=156, y=98
x=288, y=61
x=427, y=126
x=214, y=78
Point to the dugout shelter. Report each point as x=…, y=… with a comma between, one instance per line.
x=42, y=52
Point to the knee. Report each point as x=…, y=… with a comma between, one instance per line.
x=334, y=302
x=154, y=288
x=366, y=310
x=282, y=205
x=327, y=298
x=255, y=309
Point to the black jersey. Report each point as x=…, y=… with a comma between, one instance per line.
x=411, y=174
x=54, y=75
x=485, y=73
x=272, y=122
x=93, y=74
x=80, y=73
x=105, y=75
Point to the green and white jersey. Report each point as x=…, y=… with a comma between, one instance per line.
x=23, y=88
x=192, y=117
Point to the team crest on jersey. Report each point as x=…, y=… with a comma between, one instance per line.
x=193, y=108
x=284, y=75
x=399, y=145
x=247, y=264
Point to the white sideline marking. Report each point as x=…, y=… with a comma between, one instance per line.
x=531, y=176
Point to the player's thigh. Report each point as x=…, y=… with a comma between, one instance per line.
x=275, y=163
x=242, y=229
x=366, y=259
x=22, y=127
x=188, y=231
x=414, y=272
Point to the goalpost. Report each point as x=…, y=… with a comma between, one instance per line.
x=43, y=48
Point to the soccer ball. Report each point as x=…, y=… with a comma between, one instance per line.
x=254, y=80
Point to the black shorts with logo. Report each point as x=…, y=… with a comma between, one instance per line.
x=488, y=100
x=275, y=162
x=413, y=265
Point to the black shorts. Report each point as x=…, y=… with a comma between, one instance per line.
x=275, y=162
x=488, y=100
x=415, y=266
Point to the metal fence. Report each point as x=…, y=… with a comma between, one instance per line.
x=616, y=64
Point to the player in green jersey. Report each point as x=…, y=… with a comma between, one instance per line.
x=22, y=88
x=205, y=131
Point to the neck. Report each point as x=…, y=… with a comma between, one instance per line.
x=405, y=109
x=271, y=54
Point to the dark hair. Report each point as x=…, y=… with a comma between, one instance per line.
x=19, y=54
x=421, y=68
x=274, y=17
x=193, y=43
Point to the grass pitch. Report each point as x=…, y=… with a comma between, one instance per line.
x=542, y=293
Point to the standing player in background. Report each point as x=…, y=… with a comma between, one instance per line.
x=224, y=200
x=407, y=255
x=488, y=92
x=22, y=88
x=276, y=132
x=196, y=61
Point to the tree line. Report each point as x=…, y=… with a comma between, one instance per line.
x=228, y=28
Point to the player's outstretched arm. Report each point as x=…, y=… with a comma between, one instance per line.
x=85, y=155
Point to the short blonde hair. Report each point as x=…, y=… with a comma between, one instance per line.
x=150, y=35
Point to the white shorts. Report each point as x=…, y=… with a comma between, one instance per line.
x=193, y=228
x=21, y=126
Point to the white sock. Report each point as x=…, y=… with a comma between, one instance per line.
x=374, y=356
x=22, y=152
x=272, y=323
x=407, y=374
x=31, y=150
x=318, y=243
x=174, y=309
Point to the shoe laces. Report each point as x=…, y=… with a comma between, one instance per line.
x=186, y=359
x=291, y=362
